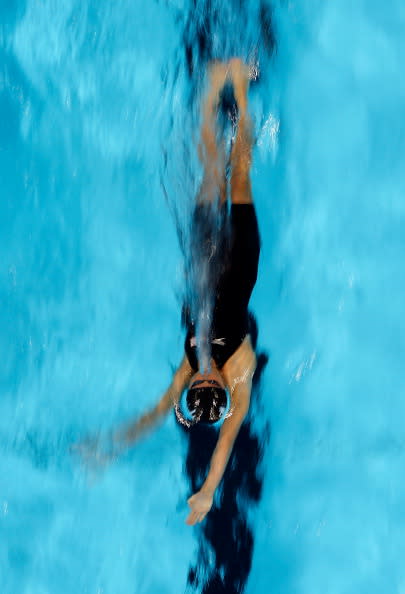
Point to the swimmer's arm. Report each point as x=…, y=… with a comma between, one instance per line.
x=129, y=434
x=100, y=450
x=200, y=503
x=227, y=436
x=238, y=372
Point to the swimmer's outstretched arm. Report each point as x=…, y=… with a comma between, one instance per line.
x=129, y=434
x=98, y=451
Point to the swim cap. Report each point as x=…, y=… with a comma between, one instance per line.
x=209, y=405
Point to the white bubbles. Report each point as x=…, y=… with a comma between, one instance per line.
x=267, y=140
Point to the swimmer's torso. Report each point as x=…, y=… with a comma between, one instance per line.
x=230, y=319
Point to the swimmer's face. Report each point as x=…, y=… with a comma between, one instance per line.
x=213, y=378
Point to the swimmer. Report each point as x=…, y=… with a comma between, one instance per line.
x=220, y=394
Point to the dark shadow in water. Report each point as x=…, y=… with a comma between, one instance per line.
x=215, y=30
x=226, y=540
x=209, y=20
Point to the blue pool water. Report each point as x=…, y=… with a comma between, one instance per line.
x=93, y=97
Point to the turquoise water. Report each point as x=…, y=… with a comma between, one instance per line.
x=93, y=97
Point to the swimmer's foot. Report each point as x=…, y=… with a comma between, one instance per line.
x=241, y=151
x=217, y=75
x=240, y=76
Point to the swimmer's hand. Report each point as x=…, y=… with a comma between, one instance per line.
x=97, y=452
x=200, y=504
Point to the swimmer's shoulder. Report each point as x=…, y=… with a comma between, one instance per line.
x=181, y=379
x=240, y=367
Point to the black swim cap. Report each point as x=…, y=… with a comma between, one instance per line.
x=206, y=405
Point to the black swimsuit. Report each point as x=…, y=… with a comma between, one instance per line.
x=230, y=323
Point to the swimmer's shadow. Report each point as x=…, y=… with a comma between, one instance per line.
x=226, y=542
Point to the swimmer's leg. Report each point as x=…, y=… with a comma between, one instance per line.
x=211, y=155
x=241, y=155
